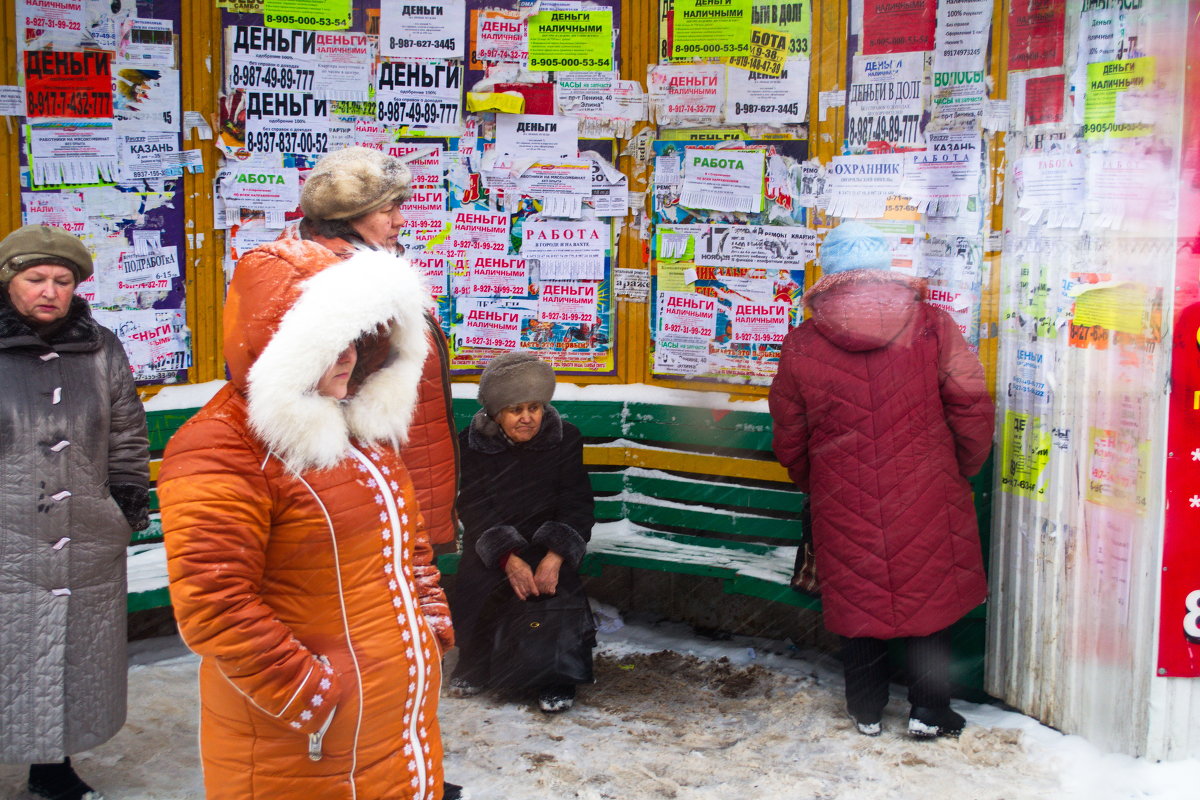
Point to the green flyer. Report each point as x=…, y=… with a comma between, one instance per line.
x=571, y=40
x=311, y=15
x=710, y=28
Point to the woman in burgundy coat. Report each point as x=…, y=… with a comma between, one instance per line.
x=881, y=414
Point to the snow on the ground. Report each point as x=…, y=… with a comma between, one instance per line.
x=670, y=716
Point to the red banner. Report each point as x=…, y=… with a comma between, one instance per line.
x=69, y=84
x=898, y=26
x=1179, y=598
x=1035, y=34
x=1044, y=99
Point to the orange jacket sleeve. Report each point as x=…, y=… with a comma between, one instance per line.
x=216, y=515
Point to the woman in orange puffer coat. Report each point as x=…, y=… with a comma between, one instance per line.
x=298, y=570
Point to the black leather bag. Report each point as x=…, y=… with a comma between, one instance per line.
x=543, y=641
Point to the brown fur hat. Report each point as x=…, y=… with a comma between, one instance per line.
x=353, y=181
x=515, y=377
x=31, y=245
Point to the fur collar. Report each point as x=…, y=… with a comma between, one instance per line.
x=77, y=331
x=485, y=436
x=343, y=302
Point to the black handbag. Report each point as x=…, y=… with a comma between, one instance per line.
x=804, y=573
x=543, y=641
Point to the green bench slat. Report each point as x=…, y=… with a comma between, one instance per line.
x=161, y=425
x=645, y=512
x=154, y=598
x=715, y=494
x=740, y=430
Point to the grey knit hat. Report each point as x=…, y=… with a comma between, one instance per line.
x=515, y=377
x=350, y=182
x=31, y=245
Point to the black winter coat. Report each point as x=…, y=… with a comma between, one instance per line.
x=527, y=498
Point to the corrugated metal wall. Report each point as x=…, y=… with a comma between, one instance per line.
x=1076, y=545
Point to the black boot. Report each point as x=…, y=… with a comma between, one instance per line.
x=930, y=723
x=556, y=699
x=451, y=791
x=59, y=782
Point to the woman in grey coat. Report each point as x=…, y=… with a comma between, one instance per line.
x=74, y=484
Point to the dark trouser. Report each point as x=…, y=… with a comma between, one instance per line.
x=864, y=661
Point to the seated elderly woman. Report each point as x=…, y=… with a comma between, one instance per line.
x=527, y=511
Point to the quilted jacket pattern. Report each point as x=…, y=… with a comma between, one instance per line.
x=881, y=413
x=71, y=428
x=297, y=568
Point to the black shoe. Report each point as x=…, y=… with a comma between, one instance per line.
x=930, y=723
x=867, y=724
x=59, y=782
x=461, y=687
x=556, y=699
x=452, y=791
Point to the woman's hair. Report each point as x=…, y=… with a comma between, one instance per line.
x=330, y=228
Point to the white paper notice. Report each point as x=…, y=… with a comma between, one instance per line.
x=420, y=94
x=286, y=122
x=859, y=186
x=499, y=275
x=148, y=42
x=885, y=100
x=774, y=247
x=674, y=357
x=686, y=93
x=1051, y=188
x=138, y=270
x=143, y=154
x=58, y=209
x=940, y=179
x=422, y=30
x=686, y=317
x=81, y=151
x=757, y=97
x=489, y=323
x=425, y=209
x=343, y=67
x=723, y=180
x=152, y=339
x=759, y=323
x=434, y=274
x=262, y=189
x=565, y=250
x=959, y=59
x=528, y=135
x=12, y=101
x=501, y=36
x=479, y=230
x=568, y=182
x=427, y=169
x=567, y=303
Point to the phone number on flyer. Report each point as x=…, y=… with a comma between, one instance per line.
x=292, y=20
x=569, y=63
x=251, y=76
x=418, y=113
x=424, y=44
x=286, y=142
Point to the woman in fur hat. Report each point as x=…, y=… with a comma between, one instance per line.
x=881, y=414
x=299, y=571
x=74, y=487
x=527, y=512
x=351, y=201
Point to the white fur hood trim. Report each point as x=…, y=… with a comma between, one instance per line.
x=336, y=307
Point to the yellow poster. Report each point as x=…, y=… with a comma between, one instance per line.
x=768, y=52
x=312, y=15
x=1106, y=81
x=1025, y=453
x=791, y=17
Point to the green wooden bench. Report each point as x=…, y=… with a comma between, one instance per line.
x=683, y=490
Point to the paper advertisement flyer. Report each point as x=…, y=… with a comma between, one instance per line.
x=724, y=180
x=422, y=30
x=885, y=101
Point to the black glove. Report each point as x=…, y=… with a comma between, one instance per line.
x=134, y=502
